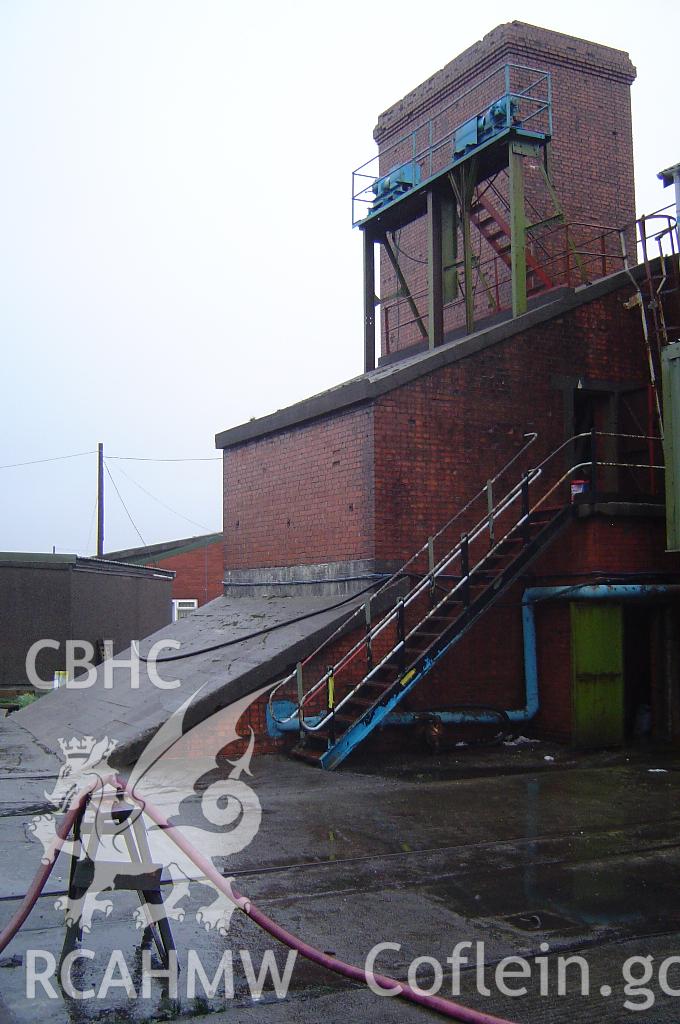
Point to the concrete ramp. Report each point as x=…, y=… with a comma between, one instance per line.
x=229, y=648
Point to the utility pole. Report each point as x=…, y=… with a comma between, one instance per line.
x=100, y=500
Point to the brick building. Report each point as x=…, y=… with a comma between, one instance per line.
x=196, y=561
x=52, y=599
x=558, y=608
x=590, y=158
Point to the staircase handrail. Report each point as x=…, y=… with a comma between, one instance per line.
x=427, y=580
x=531, y=476
x=424, y=584
x=530, y=438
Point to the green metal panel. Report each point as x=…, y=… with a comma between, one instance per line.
x=449, y=249
x=435, y=318
x=597, y=670
x=671, y=444
x=518, y=233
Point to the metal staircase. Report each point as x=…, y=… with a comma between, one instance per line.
x=426, y=618
x=420, y=647
x=494, y=227
x=658, y=295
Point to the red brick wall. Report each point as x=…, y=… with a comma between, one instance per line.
x=487, y=665
x=301, y=496
x=421, y=451
x=608, y=546
x=438, y=439
x=591, y=154
x=199, y=572
x=376, y=480
x=253, y=718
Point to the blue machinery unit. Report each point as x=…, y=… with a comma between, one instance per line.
x=395, y=183
x=513, y=100
x=434, y=171
x=498, y=118
x=482, y=128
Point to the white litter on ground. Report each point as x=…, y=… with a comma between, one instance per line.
x=520, y=741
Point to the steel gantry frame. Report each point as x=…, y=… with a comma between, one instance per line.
x=447, y=203
x=437, y=177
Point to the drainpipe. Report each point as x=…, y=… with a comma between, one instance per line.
x=587, y=592
x=482, y=717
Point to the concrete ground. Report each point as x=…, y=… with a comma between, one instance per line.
x=508, y=846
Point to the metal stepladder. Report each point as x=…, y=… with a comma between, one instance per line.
x=90, y=873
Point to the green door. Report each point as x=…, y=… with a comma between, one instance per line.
x=597, y=674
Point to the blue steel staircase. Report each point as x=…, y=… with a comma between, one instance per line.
x=426, y=618
x=419, y=647
x=432, y=601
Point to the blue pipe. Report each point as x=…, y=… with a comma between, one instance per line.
x=586, y=592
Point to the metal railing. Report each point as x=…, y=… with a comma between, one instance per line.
x=571, y=254
x=460, y=555
x=587, y=252
x=428, y=149
x=364, y=611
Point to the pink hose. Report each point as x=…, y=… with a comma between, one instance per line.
x=49, y=860
x=445, y=1007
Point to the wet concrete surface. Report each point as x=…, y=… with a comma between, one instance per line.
x=500, y=847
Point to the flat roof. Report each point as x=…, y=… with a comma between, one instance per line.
x=402, y=371
x=166, y=548
x=50, y=560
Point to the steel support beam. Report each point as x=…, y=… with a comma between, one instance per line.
x=518, y=239
x=449, y=248
x=463, y=180
x=392, y=256
x=369, y=302
x=435, y=263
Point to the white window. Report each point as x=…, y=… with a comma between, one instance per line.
x=182, y=608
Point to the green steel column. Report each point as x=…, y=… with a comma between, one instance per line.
x=518, y=250
x=369, y=302
x=463, y=180
x=435, y=293
x=467, y=268
x=449, y=248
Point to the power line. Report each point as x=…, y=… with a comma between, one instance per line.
x=118, y=458
x=144, y=544
x=139, y=458
x=162, y=503
x=57, y=458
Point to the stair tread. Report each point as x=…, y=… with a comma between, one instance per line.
x=314, y=739
x=460, y=607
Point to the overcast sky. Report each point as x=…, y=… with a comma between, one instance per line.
x=176, y=250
